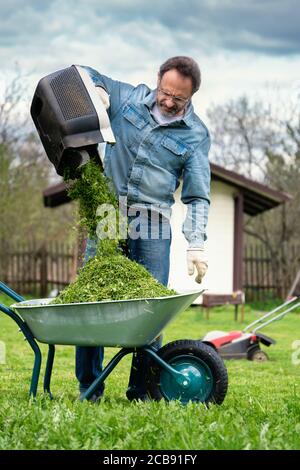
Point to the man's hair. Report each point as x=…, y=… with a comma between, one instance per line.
x=186, y=66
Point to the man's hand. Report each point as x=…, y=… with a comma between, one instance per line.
x=196, y=258
x=103, y=95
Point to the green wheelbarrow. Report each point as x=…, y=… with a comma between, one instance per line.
x=184, y=370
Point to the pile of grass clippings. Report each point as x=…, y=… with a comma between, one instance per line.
x=109, y=275
x=112, y=278
x=91, y=189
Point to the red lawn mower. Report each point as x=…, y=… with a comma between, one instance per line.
x=246, y=344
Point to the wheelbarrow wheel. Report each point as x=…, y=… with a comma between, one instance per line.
x=206, y=375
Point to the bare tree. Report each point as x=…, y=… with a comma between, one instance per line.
x=13, y=122
x=242, y=131
x=257, y=141
x=25, y=172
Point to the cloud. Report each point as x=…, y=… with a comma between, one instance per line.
x=238, y=44
x=266, y=26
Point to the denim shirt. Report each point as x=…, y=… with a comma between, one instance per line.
x=148, y=159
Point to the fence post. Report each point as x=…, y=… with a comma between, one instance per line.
x=43, y=272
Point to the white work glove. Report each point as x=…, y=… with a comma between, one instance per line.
x=196, y=258
x=103, y=95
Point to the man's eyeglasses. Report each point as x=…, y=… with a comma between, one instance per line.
x=175, y=99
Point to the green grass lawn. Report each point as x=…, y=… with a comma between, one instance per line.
x=261, y=410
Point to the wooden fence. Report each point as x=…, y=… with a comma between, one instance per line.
x=269, y=276
x=35, y=269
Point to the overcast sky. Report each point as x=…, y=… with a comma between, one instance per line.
x=240, y=45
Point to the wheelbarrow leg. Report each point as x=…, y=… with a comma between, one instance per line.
x=105, y=373
x=36, y=368
x=37, y=357
x=48, y=371
x=28, y=336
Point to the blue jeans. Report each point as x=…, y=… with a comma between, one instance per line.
x=153, y=252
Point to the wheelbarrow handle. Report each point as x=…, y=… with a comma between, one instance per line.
x=11, y=293
x=31, y=340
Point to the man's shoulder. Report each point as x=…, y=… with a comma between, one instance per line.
x=197, y=133
x=141, y=91
x=199, y=126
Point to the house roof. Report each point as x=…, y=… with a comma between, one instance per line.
x=257, y=197
x=56, y=195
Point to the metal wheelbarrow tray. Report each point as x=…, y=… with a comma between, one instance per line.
x=121, y=323
x=186, y=370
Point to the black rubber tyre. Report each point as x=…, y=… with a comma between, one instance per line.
x=257, y=355
x=191, y=354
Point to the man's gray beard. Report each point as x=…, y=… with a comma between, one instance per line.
x=166, y=113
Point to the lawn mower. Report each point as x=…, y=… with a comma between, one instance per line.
x=246, y=344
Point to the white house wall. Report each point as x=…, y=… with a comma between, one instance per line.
x=219, y=244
